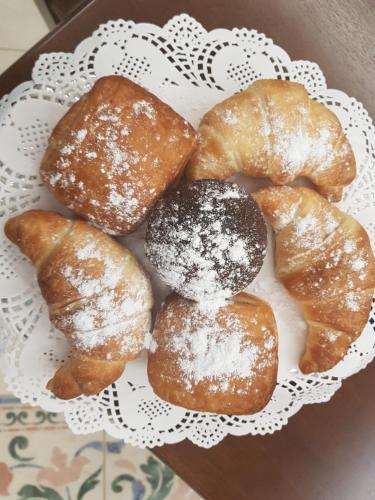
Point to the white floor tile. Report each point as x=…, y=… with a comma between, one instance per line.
x=7, y=57
x=21, y=24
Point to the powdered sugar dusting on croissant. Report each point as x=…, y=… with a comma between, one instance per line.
x=324, y=259
x=309, y=230
x=109, y=312
x=273, y=129
x=96, y=292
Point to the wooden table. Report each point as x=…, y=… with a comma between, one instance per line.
x=327, y=451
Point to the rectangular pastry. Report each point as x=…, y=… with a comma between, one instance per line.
x=114, y=153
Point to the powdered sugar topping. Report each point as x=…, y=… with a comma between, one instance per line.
x=144, y=107
x=230, y=118
x=297, y=144
x=352, y=301
x=200, y=243
x=125, y=178
x=81, y=134
x=331, y=335
x=218, y=350
x=311, y=229
x=106, y=308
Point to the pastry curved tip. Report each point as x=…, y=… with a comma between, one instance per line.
x=84, y=376
x=64, y=386
x=308, y=365
x=332, y=194
x=10, y=229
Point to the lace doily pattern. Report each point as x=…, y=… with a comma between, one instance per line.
x=191, y=69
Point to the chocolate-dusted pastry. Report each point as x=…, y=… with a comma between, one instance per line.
x=207, y=239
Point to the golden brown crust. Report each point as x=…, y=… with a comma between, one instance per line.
x=75, y=377
x=114, y=153
x=96, y=292
x=273, y=129
x=36, y=236
x=219, y=393
x=325, y=261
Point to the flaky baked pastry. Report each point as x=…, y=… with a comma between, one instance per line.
x=114, y=153
x=273, y=129
x=222, y=361
x=325, y=261
x=96, y=292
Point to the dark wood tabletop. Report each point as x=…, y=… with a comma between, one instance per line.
x=327, y=451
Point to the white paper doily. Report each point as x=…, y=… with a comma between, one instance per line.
x=191, y=69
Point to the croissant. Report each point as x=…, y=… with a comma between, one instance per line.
x=273, y=129
x=325, y=261
x=96, y=292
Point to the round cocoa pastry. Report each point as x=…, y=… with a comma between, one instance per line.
x=222, y=361
x=207, y=239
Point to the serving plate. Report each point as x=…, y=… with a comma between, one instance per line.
x=190, y=69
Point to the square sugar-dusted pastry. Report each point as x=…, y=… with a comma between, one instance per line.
x=114, y=153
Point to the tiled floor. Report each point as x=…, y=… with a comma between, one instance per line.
x=21, y=25
x=41, y=458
